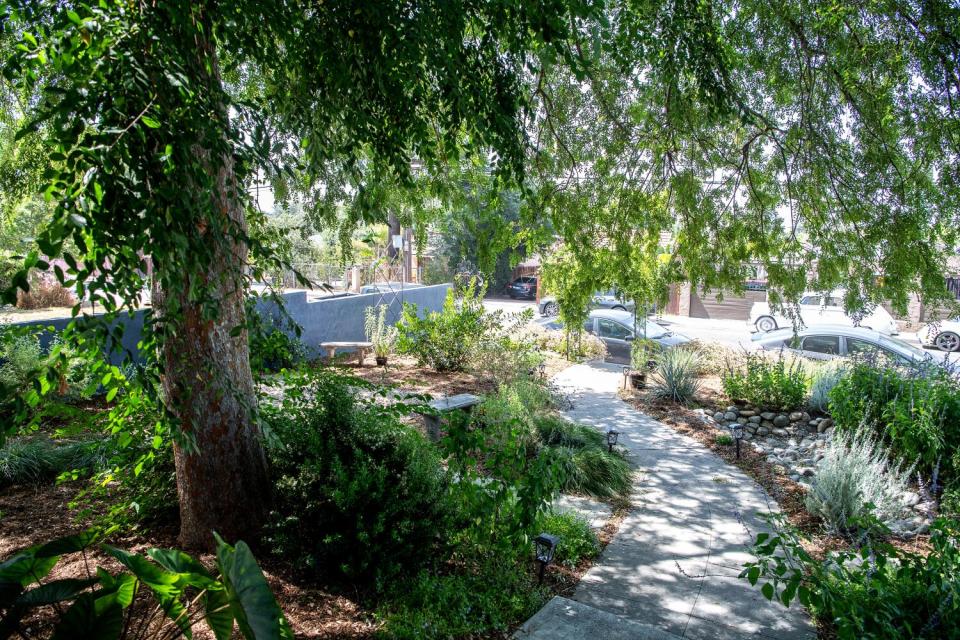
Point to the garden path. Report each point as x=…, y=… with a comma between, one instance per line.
x=671, y=570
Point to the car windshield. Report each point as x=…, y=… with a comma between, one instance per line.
x=904, y=347
x=653, y=330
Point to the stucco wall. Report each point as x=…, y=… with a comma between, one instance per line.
x=321, y=320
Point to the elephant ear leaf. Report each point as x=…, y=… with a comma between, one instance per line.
x=256, y=610
x=165, y=585
x=85, y=620
x=67, y=544
x=216, y=604
x=54, y=592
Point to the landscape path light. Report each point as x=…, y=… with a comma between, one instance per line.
x=545, y=547
x=612, y=436
x=737, y=430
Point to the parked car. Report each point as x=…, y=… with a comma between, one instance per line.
x=944, y=335
x=817, y=310
x=601, y=300
x=388, y=287
x=523, y=287
x=825, y=342
x=616, y=328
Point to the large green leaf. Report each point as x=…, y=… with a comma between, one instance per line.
x=67, y=544
x=26, y=568
x=216, y=603
x=256, y=610
x=83, y=620
x=121, y=589
x=166, y=586
x=52, y=592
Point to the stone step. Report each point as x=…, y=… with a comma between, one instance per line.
x=565, y=619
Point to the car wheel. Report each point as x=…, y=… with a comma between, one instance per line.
x=619, y=308
x=551, y=309
x=765, y=324
x=947, y=341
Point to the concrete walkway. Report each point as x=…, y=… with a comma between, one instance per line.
x=672, y=568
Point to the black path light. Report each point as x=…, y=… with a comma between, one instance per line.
x=612, y=436
x=626, y=378
x=545, y=546
x=737, y=430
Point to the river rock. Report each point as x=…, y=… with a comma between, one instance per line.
x=768, y=415
x=754, y=419
x=796, y=416
x=825, y=424
x=730, y=416
x=781, y=421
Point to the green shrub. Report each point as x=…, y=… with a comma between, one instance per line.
x=274, y=342
x=180, y=591
x=358, y=494
x=445, y=340
x=823, y=378
x=724, y=439
x=675, y=377
x=644, y=353
x=855, y=476
x=37, y=459
x=575, y=345
x=21, y=359
x=577, y=540
x=586, y=465
x=713, y=356
x=876, y=591
x=915, y=412
x=760, y=381
x=478, y=600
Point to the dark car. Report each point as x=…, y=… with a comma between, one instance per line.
x=523, y=287
x=616, y=329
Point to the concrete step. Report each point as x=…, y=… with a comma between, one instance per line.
x=564, y=619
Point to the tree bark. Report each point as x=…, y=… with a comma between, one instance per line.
x=221, y=468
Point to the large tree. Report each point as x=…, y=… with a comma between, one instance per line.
x=158, y=115
x=818, y=138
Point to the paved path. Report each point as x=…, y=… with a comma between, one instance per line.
x=673, y=565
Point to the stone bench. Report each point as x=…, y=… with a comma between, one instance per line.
x=360, y=348
x=445, y=405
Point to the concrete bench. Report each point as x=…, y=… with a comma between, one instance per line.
x=445, y=405
x=360, y=348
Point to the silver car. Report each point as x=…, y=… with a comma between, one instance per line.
x=825, y=342
x=609, y=299
x=615, y=328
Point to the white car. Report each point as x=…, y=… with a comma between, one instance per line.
x=944, y=335
x=815, y=310
x=825, y=342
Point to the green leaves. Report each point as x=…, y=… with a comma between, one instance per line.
x=253, y=606
x=174, y=578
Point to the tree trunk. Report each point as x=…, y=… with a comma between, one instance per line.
x=222, y=479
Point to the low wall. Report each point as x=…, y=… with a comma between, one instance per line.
x=341, y=319
x=337, y=319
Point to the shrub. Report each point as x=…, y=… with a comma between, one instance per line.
x=358, y=494
x=580, y=451
x=21, y=358
x=823, y=378
x=45, y=292
x=101, y=606
x=915, y=412
x=577, y=540
x=490, y=596
x=644, y=353
x=767, y=383
x=274, y=342
x=578, y=345
x=876, y=591
x=713, y=356
x=445, y=340
x=724, y=439
x=675, y=377
x=854, y=477
x=379, y=332
x=37, y=459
